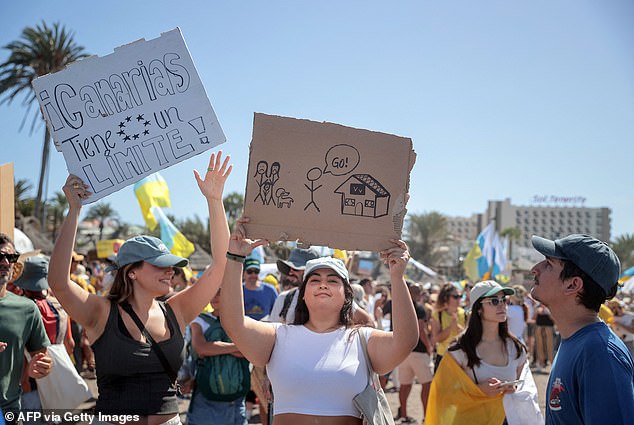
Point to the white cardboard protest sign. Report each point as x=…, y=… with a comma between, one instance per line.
x=124, y=116
x=326, y=184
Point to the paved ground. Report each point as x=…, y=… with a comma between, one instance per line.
x=414, y=408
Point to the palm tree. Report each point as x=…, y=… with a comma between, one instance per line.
x=58, y=204
x=101, y=212
x=39, y=51
x=623, y=246
x=424, y=234
x=23, y=202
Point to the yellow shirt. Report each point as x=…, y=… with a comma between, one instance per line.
x=444, y=321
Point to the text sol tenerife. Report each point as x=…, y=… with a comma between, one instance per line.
x=67, y=417
x=128, y=114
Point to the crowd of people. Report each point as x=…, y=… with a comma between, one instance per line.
x=292, y=343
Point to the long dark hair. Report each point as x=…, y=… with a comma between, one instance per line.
x=122, y=287
x=472, y=336
x=345, y=315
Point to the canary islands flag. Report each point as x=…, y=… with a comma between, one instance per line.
x=175, y=241
x=151, y=192
x=454, y=399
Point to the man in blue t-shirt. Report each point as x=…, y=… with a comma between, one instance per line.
x=259, y=297
x=592, y=377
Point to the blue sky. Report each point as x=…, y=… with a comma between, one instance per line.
x=502, y=99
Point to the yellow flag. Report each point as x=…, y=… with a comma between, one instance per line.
x=454, y=399
x=470, y=263
x=108, y=247
x=151, y=192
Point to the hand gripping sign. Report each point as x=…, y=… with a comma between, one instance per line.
x=124, y=116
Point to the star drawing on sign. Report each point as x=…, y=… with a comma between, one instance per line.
x=147, y=123
x=140, y=117
x=121, y=132
x=121, y=124
x=136, y=136
x=146, y=132
x=128, y=119
x=126, y=138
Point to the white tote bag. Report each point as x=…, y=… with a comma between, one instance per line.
x=522, y=406
x=63, y=388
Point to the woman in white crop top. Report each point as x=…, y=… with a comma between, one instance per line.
x=316, y=365
x=488, y=353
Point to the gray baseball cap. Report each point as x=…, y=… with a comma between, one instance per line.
x=591, y=255
x=35, y=274
x=333, y=264
x=149, y=249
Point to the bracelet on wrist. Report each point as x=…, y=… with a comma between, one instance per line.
x=235, y=257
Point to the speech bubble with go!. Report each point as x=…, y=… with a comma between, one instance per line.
x=341, y=159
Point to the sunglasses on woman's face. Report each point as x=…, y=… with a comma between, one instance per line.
x=456, y=296
x=11, y=258
x=495, y=301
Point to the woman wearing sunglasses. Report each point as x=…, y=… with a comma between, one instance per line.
x=137, y=340
x=486, y=355
x=447, y=320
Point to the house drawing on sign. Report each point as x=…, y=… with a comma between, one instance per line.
x=364, y=196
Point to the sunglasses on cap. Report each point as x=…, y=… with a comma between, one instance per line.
x=252, y=271
x=495, y=301
x=11, y=258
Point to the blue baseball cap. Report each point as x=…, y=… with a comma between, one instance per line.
x=591, y=255
x=333, y=264
x=149, y=249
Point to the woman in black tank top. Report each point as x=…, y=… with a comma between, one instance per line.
x=138, y=341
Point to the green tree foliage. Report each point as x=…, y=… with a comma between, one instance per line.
x=623, y=246
x=233, y=202
x=40, y=50
x=23, y=203
x=57, y=205
x=101, y=212
x=425, y=234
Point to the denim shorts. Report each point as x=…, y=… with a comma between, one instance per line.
x=204, y=412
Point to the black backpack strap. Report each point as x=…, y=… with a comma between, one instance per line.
x=288, y=299
x=153, y=345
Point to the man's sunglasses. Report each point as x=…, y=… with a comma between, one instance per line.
x=495, y=301
x=252, y=271
x=11, y=258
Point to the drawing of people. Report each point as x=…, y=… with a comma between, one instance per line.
x=313, y=175
x=273, y=177
x=261, y=170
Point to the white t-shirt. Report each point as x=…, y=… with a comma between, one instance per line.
x=515, y=319
x=485, y=371
x=317, y=373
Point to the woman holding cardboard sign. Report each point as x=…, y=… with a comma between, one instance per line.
x=138, y=341
x=317, y=365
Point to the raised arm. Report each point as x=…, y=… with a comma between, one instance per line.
x=388, y=349
x=254, y=339
x=83, y=307
x=188, y=303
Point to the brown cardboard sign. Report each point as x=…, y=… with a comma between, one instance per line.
x=326, y=184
